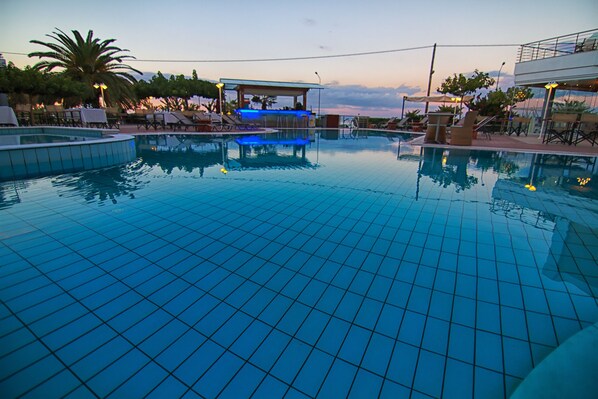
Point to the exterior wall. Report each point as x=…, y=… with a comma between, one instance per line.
x=578, y=66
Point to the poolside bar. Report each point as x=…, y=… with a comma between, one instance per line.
x=289, y=118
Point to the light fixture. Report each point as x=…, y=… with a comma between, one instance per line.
x=583, y=180
x=498, y=77
x=102, y=87
x=551, y=85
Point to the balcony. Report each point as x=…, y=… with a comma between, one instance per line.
x=570, y=60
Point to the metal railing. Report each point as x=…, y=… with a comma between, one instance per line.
x=558, y=46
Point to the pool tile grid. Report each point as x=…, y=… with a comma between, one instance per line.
x=363, y=373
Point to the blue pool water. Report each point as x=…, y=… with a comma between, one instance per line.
x=357, y=267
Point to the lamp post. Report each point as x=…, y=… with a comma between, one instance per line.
x=220, y=85
x=430, y=78
x=456, y=100
x=102, y=87
x=548, y=102
x=319, y=91
x=498, y=77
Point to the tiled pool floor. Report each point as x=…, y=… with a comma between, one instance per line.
x=328, y=281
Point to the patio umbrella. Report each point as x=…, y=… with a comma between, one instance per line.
x=438, y=99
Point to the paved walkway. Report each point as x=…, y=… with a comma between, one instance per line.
x=533, y=144
x=528, y=144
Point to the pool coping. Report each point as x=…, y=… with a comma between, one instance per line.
x=96, y=140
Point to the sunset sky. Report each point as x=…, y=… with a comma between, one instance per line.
x=200, y=31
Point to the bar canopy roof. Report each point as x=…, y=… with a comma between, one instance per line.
x=268, y=88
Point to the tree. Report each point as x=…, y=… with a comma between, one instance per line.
x=30, y=86
x=493, y=103
x=461, y=86
x=210, y=106
x=176, y=90
x=265, y=101
x=89, y=61
x=498, y=102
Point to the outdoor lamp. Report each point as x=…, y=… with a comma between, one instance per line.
x=220, y=86
x=102, y=87
x=498, y=77
x=549, y=86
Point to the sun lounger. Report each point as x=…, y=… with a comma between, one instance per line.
x=235, y=123
x=394, y=123
x=482, y=126
x=8, y=117
x=403, y=123
x=186, y=123
x=204, y=120
x=389, y=124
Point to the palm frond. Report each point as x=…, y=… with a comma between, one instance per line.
x=88, y=60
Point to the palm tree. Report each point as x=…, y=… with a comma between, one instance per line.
x=265, y=101
x=572, y=107
x=89, y=61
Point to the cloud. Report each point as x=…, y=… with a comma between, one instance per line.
x=353, y=99
x=309, y=22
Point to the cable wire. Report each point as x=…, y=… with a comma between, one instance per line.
x=314, y=57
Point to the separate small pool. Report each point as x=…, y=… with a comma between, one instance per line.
x=40, y=151
x=352, y=266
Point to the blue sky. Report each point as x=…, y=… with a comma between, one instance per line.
x=215, y=30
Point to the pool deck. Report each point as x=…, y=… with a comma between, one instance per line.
x=531, y=144
x=497, y=142
x=134, y=130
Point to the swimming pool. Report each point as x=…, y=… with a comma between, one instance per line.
x=349, y=267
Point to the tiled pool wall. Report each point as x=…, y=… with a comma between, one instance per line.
x=56, y=130
x=55, y=158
